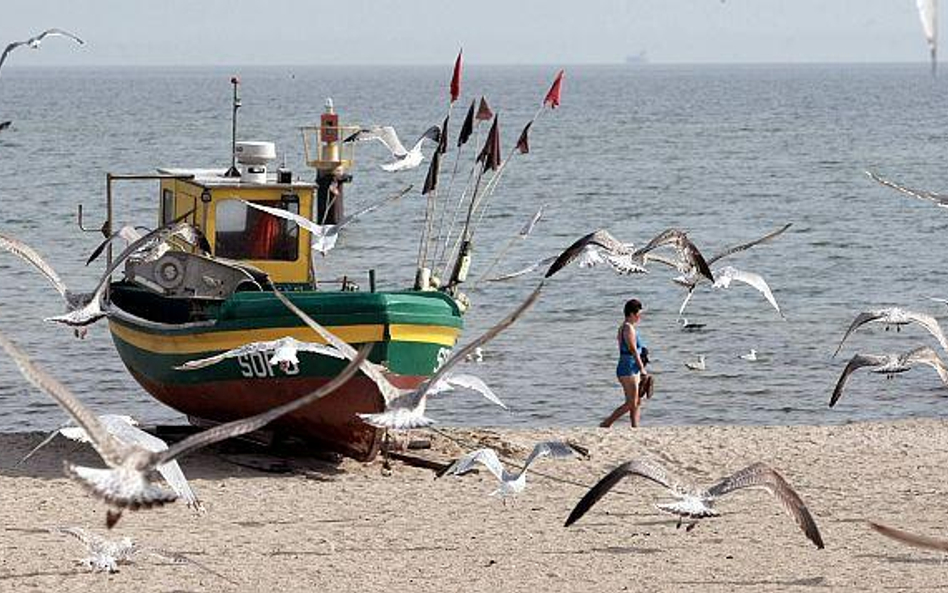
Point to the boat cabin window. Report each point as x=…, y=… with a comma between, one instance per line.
x=247, y=233
x=167, y=206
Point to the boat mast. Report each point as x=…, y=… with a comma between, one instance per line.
x=233, y=171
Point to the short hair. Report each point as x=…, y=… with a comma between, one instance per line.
x=632, y=306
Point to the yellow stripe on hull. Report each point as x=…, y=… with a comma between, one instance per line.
x=194, y=343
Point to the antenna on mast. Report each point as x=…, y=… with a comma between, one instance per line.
x=233, y=171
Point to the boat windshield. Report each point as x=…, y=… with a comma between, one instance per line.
x=246, y=233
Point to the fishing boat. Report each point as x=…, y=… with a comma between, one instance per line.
x=188, y=305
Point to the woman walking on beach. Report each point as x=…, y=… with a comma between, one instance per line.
x=631, y=368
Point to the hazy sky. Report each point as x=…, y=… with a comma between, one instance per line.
x=228, y=32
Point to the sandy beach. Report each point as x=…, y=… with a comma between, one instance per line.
x=303, y=524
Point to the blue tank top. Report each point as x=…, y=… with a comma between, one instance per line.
x=624, y=348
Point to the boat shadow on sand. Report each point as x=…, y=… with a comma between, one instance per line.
x=228, y=459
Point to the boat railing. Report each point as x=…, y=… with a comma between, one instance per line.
x=325, y=149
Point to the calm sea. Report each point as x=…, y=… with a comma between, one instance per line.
x=727, y=153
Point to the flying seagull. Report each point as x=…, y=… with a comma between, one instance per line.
x=523, y=271
x=897, y=317
x=105, y=555
x=405, y=159
x=940, y=200
x=405, y=408
x=890, y=365
x=597, y=247
x=34, y=42
x=695, y=503
x=125, y=430
x=690, y=261
x=723, y=278
x=917, y=541
x=510, y=483
x=324, y=236
x=125, y=483
x=284, y=353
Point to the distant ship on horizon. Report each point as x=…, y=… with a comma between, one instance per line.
x=639, y=59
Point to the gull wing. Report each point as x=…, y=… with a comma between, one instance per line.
x=918, y=541
x=526, y=229
x=44, y=442
x=744, y=246
x=127, y=232
x=104, y=443
x=555, y=449
x=232, y=353
x=938, y=199
x=29, y=255
x=601, y=238
x=638, y=467
x=926, y=355
x=856, y=362
x=470, y=382
x=245, y=425
x=350, y=217
x=10, y=47
x=728, y=274
x=433, y=133
x=55, y=32
x=931, y=324
x=92, y=541
x=371, y=370
x=688, y=254
x=486, y=457
x=384, y=134
x=760, y=475
x=301, y=221
x=864, y=317
x=511, y=275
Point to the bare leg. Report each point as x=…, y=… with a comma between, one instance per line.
x=630, y=386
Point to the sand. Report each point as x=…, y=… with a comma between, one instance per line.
x=349, y=527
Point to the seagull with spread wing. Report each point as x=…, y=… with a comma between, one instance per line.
x=125, y=483
x=324, y=236
x=405, y=159
x=510, y=483
x=35, y=41
x=599, y=247
x=284, y=355
x=896, y=317
x=940, y=200
x=405, y=408
x=723, y=277
x=125, y=429
x=890, y=365
x=689, y=261
x=694, y=503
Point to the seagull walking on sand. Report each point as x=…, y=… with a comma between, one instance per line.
x=695, y=503
x=890, y=365
x=510, y=483
x=896, y=317
x=324, y=236
x=35, y=41
x=125, y=429
x=284, y=353
x=125, y=483
x=105, y=555
x=405, y=408
x=405, y=159
x=697, y=365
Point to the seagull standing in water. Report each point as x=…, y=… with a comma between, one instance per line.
x=125, y=483
x=750, y=356
x=324, y=236
x=34, y=42
x=510, y=483
x=405, y=159
x=890, y=365
x=696, y=503
x=405, y=408
x=697, y=365
x=896, y=317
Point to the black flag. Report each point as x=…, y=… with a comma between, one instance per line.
x=467, y=128
x=490, y=154
x=431, y=180
x=443, y=140
x=523, y=144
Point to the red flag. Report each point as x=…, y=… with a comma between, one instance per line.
x=490, y=154
x=431, y=180
x=456, y=78
x=553, y=95
x=467, y=128
x=484, y=112
x=523, y=144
